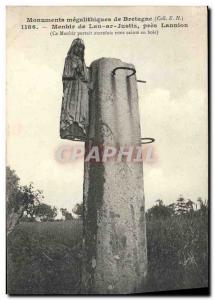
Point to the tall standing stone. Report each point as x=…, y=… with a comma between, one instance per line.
x=114, y=234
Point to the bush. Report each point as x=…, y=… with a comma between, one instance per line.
x=178, y=251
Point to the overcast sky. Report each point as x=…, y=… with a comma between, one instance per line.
x=173, y=102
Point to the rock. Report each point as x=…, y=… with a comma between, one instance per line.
x=114, y=223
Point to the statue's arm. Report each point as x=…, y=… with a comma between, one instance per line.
x=82, y=71
x=69, y=71
x=70, y=68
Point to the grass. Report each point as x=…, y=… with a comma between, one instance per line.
x=45, y=258
x=178, y=252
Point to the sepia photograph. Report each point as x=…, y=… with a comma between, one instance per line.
x=107, y=178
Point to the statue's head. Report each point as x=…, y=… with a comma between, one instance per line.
x=77, y=48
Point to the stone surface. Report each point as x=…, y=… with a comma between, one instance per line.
x=114, y=237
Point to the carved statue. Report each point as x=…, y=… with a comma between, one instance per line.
x=74, y=113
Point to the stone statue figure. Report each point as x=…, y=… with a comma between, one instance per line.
x=74, y=113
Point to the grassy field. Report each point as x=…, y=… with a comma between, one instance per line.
x=45, y=258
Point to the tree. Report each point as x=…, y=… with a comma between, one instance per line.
x=160, y=210
x=181, y=207
x=190, y=205
x=18, y=199
x=78, y=210
x=45, y=212
x=68, y=216
x=12, y=181
x=203, y=206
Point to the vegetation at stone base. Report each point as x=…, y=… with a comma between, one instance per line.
x=177, y=245
x=45, y=257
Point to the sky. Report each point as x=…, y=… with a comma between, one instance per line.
x=173, y=102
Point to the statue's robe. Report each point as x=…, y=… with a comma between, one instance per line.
x=74, y=113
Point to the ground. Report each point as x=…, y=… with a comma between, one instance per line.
x=45, y=258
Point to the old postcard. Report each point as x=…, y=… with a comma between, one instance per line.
x=107, y=150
